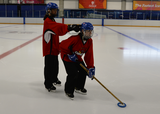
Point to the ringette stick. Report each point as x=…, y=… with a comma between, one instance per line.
x=124, y=105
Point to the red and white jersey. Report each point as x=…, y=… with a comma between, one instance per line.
x=74, y=44
x=51, y=32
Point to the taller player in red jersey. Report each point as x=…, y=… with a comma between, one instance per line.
x=51, y=32
x=72, y=50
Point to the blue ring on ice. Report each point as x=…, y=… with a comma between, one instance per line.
x=121, y=105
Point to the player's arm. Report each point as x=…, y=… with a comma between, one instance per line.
x=89, y=60
x=63, y=28
x=74, y=27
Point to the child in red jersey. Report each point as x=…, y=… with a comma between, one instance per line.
x=51, y=32
x=72, y=50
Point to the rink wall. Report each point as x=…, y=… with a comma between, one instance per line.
x=95, y=22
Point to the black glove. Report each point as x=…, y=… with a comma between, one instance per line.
x=74, y=27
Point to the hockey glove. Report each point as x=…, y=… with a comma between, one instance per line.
x=72, y=57
x=74, y=27
x=91, y=73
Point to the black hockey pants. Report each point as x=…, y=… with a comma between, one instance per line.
x=51, y=70
x=76, y=76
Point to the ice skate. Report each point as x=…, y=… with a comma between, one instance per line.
x=51, y=89
x=57, y=83
x=71, y=96
x=81, y=91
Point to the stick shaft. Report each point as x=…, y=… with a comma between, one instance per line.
x=100, y=83
x=108, y=90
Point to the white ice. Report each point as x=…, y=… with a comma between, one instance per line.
x=127, y=61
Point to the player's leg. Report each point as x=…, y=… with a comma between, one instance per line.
x=48, y=73
x=72, y=73
x=81, y=79
x=55, y=69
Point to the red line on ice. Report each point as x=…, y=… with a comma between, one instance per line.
x=18, y=47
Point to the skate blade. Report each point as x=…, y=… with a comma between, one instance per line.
x=69, y=97
x=77, y=91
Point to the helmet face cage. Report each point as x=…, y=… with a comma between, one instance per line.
x=88, y=34
x=87, y=30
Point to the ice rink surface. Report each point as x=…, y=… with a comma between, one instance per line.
x=127, y=61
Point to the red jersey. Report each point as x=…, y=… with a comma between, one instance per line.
x=51, y=32
x=74, y=44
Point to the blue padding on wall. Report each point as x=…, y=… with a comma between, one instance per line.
x=2, y=9
x=27, y=8
x=11, y=10
x=39, y=9
x=33, y=10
